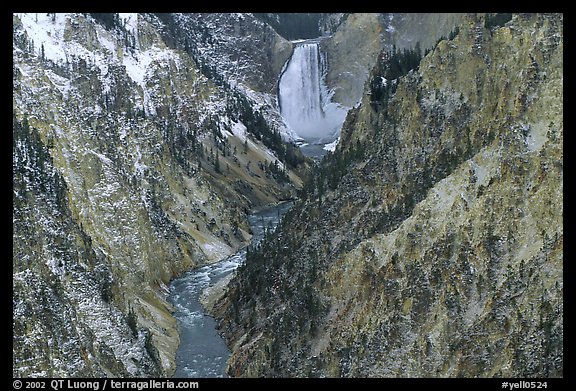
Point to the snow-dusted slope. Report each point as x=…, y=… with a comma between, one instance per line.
x=139, y=151
x=241, y=51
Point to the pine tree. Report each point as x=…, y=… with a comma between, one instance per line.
x=132, y=322
x=217, y=163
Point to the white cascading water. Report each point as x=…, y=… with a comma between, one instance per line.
x=305, y=103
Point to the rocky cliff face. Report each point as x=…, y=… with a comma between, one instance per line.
x=237, y=50
x=353, y=48
x=430, y=244
x=240, y=47
x=130, y=167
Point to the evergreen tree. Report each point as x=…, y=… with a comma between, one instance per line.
x=217, y=163
x=132, y=321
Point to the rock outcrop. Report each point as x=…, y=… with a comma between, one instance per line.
x=352, y=50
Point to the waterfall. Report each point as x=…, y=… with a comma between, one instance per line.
x=304, y=100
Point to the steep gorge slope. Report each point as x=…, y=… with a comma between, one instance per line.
x=237, y=50
x=130, y=167
x=430, y=244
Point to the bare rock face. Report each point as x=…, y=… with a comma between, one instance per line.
x=431, y=244
x=130, y=167
x=406, y=30
x=352, y=50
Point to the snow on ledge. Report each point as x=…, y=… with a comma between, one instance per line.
x=332, y=146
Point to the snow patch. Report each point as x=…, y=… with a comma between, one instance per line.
x=480, y=172
x=239, y=130
x=101, y=156
x=139, y=167
x=332, y=146
x=536, y=136
x=46, y=33
x=131, y=22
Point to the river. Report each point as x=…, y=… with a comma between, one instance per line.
x=202, y=351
